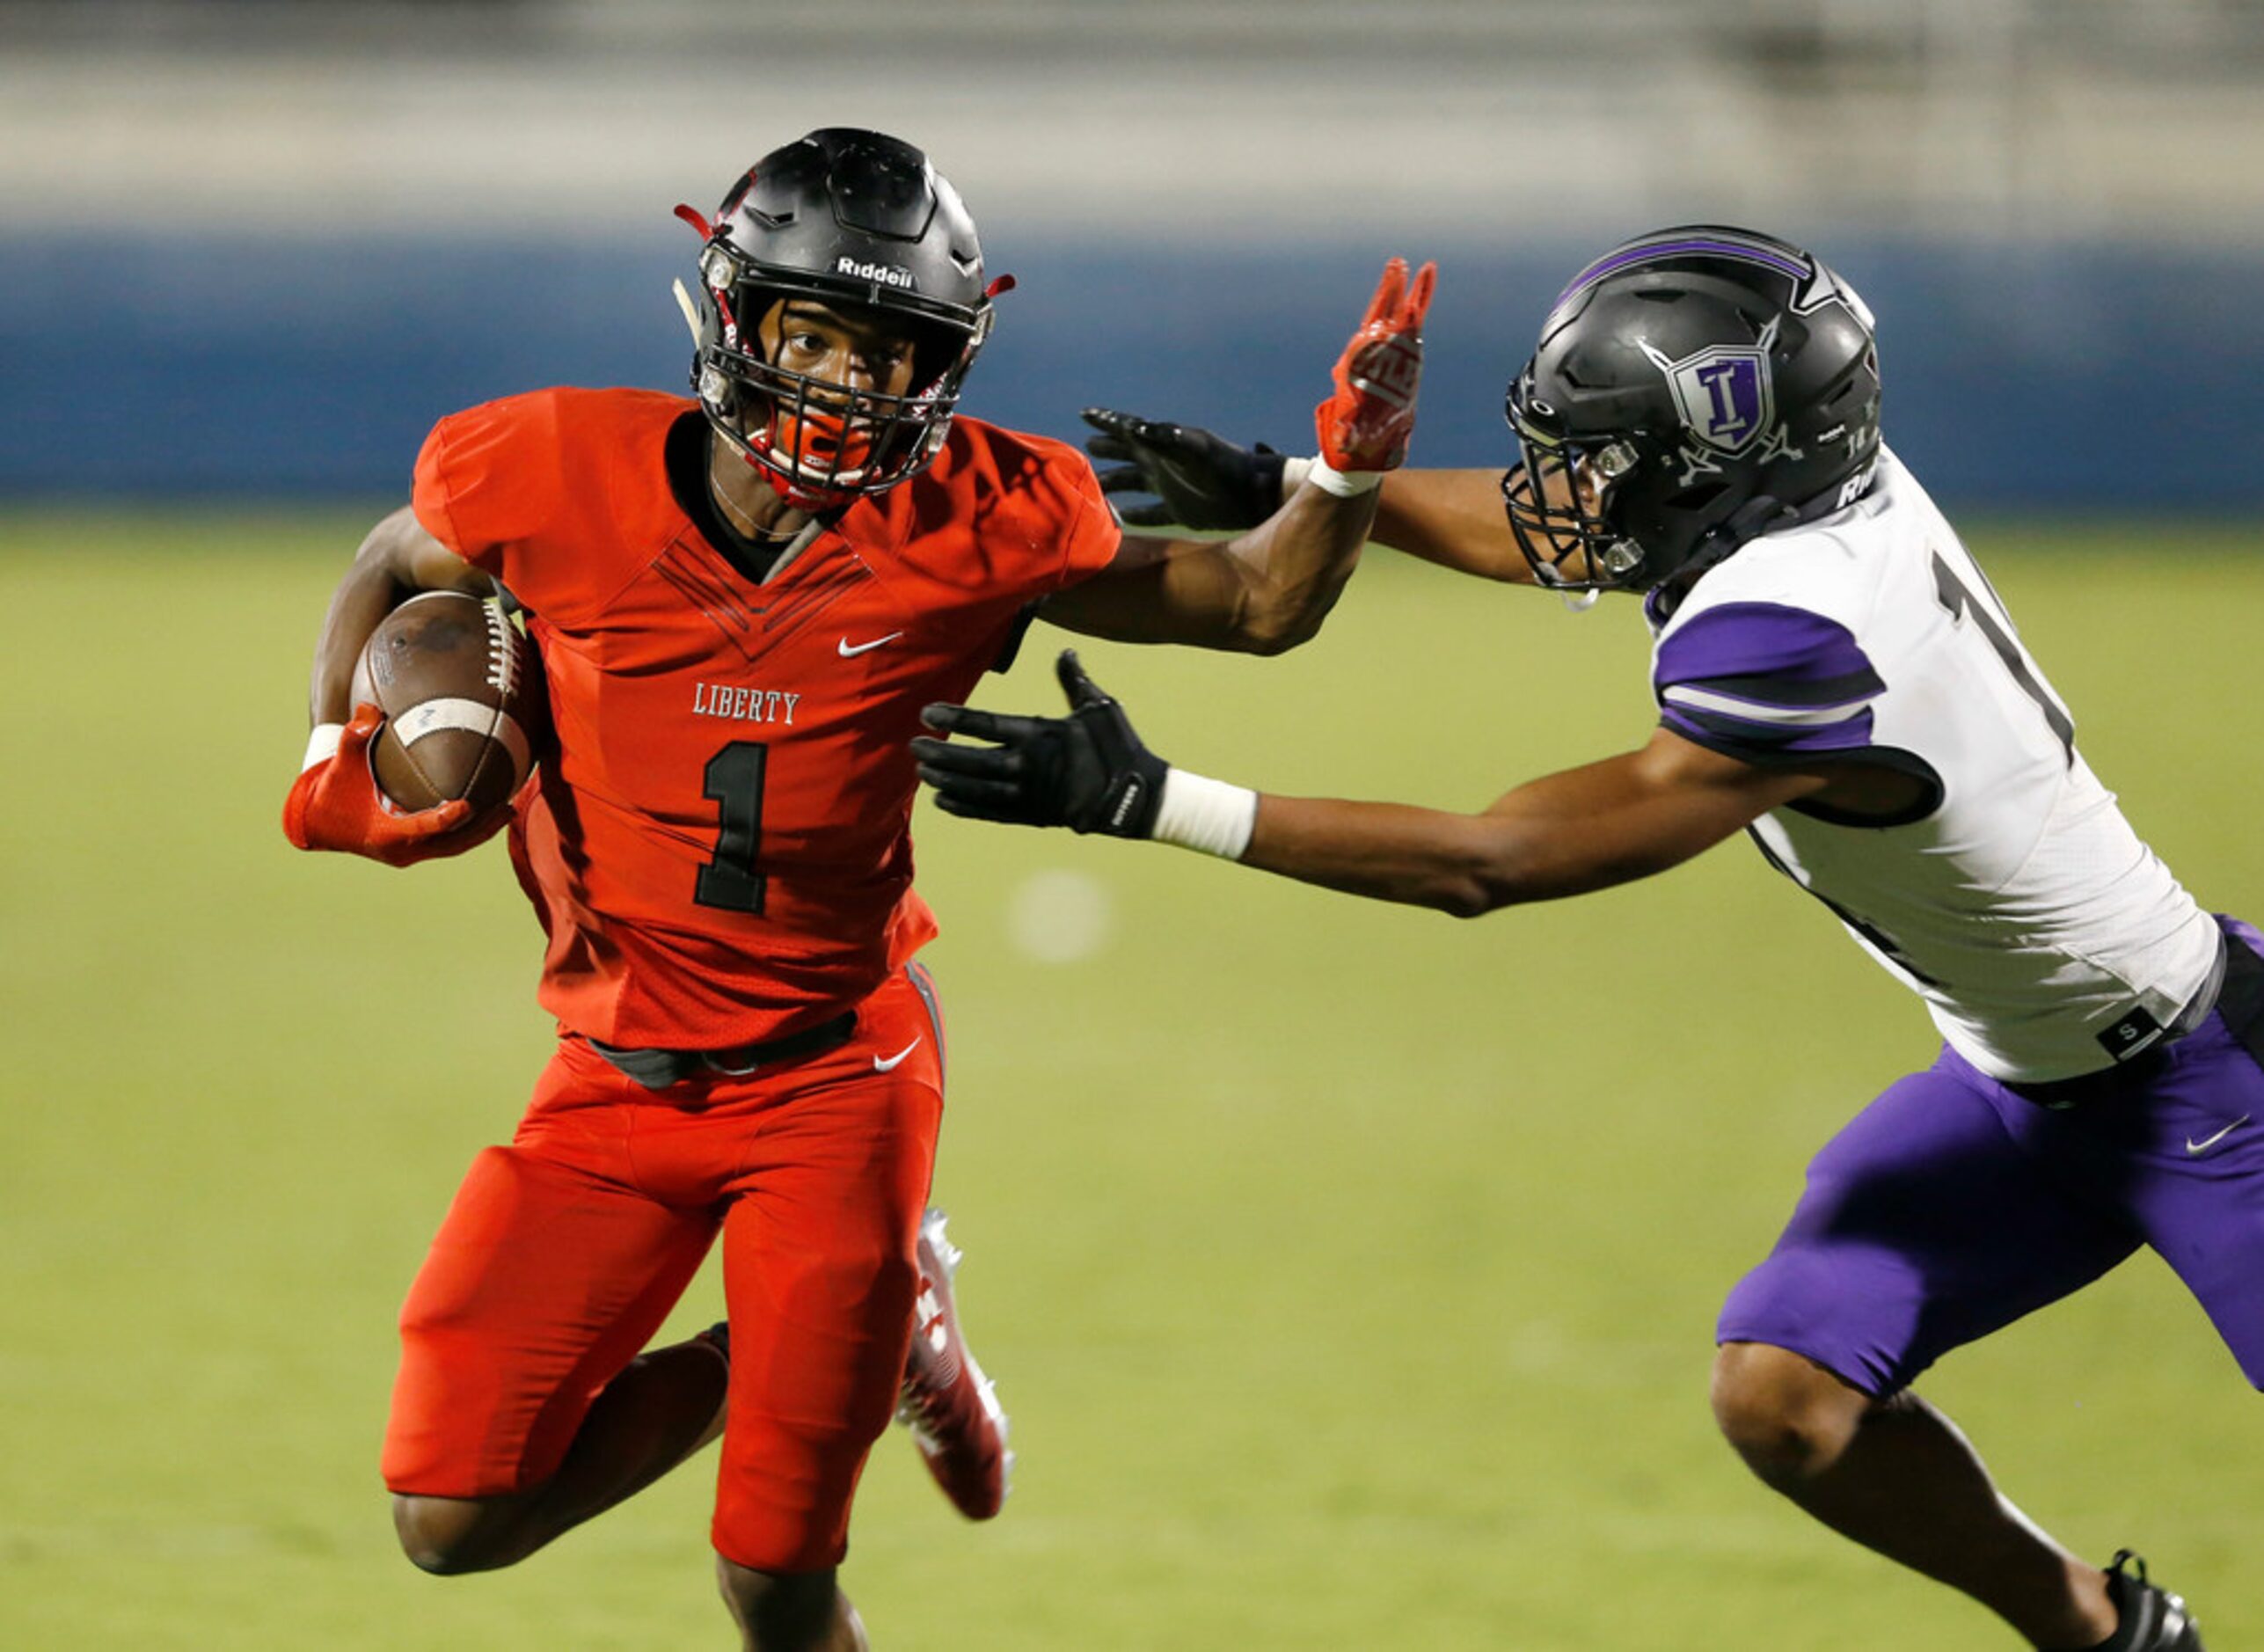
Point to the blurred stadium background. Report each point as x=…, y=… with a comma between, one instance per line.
x=1350, y=1274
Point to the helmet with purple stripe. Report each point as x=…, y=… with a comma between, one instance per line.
x=1693, y=388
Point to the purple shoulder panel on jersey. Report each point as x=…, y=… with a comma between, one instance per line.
x=1757, y=680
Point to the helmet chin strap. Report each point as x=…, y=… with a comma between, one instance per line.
x=785, y=485
x=1748, y=522
x=772, y=474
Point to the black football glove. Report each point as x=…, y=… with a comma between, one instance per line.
x=1087, y=771
x=1200, y=481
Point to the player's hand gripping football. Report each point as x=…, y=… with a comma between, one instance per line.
x=336, y=805
x=1365, y=425
x=1200, y=481
x=1087, y=771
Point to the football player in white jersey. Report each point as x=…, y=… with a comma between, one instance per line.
x=1699, y=424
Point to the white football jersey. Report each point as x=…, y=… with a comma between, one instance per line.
x=2046, y=940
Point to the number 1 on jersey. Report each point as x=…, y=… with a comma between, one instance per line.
x=1960, y=604
x=733, y=778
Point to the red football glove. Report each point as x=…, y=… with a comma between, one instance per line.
x=336, y=805
x=1365, y=425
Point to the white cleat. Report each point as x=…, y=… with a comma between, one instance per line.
x=949, y=1405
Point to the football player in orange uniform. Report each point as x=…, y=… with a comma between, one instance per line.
x=742, y=604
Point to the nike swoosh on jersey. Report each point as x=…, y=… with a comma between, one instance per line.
x=2208, y=1142
x=889, y=1064
x=850, y=650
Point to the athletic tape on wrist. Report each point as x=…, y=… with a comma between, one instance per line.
x=1206, y=814
x=1294, y=471
x=1343, y=483
x=322, y=745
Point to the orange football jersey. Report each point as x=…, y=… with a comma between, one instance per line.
x=719, y=851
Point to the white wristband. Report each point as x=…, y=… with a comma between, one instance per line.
x=1294, y=471
x=1199, y=813
x=322, y=745
x=1343, y=483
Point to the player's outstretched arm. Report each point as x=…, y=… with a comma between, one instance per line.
x=335, y=803
x=1199, y=479
x=1269, y=588
x=1454, y=518
x=1610, y=822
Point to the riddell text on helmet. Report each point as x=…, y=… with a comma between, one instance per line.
x=887, y=275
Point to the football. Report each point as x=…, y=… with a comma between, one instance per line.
x=463, y=701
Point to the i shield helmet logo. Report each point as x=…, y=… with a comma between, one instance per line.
x=1724, y=393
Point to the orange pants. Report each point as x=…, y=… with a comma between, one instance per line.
x=565, y=1251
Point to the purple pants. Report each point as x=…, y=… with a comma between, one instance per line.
x=1951, y=1206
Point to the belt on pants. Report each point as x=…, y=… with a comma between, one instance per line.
x=658, y=1069
x=2235, y=985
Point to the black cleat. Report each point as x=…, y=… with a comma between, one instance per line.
x=2149, y=1618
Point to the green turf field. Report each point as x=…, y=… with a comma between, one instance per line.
x=1349, y=1272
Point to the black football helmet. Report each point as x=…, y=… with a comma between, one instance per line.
x=1693, y=388
x=850, y=219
